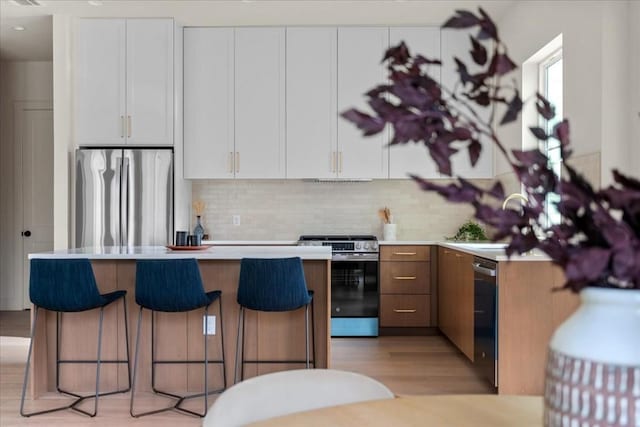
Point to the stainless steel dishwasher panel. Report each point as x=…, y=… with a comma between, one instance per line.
x=485, y=308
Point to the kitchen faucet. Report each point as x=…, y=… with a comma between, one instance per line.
x=514, y=196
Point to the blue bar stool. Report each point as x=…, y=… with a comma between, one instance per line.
x=63, y=286
x=273, y=284
x=174, y=285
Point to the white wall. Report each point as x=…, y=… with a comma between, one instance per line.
x=19, y=81
x=597, y=73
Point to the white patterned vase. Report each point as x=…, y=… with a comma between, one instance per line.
x=593, y=366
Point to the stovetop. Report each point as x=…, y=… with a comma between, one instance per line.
x=349, y=244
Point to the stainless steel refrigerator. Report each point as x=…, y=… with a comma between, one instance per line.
x=124, y=197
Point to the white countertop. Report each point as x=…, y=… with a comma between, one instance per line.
x=496, y=254
x=213, y=252
x=408, y=242
x=225, y=249
x=251, y=242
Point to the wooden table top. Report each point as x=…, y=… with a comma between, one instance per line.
x=451, y=410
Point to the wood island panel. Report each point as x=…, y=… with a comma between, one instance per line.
x=178, y=335
x=529, y=310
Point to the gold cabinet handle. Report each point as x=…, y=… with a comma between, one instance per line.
x=458, y=256
x=399, y=310
x=340, y=161
x=122, y=125
x=405, y=253
x=128, y=126
x=230, y=161
x=404, y=277
x=237, y=161
x=333, y=161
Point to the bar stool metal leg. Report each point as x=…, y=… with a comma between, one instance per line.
x=59, y=361
x=179, y=399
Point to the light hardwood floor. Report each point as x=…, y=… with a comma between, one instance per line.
x=407, y=365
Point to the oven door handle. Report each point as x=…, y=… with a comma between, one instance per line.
x=340, y=257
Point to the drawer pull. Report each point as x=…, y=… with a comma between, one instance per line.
x=405, y=253
x=458, y=256
x=404, y=277
x=397, y=310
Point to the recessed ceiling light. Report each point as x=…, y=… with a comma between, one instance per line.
x=19, y=28
x=95, y=2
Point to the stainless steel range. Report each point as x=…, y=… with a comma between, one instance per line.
x=354, y=282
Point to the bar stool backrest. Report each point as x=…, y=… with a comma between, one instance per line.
x=272, y=284
x=169, y=285
x=65, y=285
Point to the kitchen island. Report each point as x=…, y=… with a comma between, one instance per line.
x=270, y=336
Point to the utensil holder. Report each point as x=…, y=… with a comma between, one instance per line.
x=389, y=232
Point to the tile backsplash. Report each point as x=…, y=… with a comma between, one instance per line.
x=285, y=209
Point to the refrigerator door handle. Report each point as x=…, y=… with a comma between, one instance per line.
x=124, y=203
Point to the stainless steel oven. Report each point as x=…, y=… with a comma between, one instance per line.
x=354, y=283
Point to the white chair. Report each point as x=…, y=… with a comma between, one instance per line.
x=286, y=392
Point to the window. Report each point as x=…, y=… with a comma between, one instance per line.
x=550, y=72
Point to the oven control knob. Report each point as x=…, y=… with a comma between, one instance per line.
x=366, y=246
x=358, y=245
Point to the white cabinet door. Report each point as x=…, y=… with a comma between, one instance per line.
x=360, y=50
x=100, y=82
x=150, y=81
x=208, y=103
x=124, y=82
x=260, y=102
x=457, y=43
x=311, y=102
x=411, y=157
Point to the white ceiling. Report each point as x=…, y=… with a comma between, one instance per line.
x=35, y=43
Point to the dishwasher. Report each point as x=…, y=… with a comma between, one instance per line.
x=485, y=319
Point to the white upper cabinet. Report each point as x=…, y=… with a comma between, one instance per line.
x=360, y=51
x=311, y=102
x=150, y=81
x=100, y=82
x=260, y=102
x=411, y=157
x=124, y=82
x=456, y=43
x=208, y=103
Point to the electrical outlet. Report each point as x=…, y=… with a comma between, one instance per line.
x=236, y=219
x=208, y=325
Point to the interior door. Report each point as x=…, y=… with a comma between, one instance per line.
x=34, y=135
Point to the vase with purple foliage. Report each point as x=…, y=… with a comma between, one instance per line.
x=593, y=367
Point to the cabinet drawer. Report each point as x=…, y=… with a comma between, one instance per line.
x=405, y=310
x=405, y=277
x=405, y=253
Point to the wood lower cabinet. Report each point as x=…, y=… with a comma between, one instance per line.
x=405, y=287
x=528, y=312
x=455, y=298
